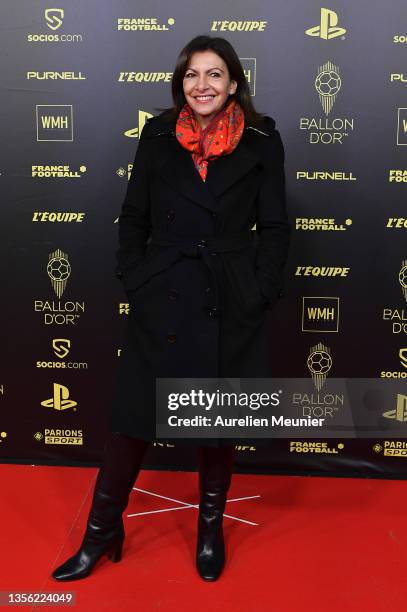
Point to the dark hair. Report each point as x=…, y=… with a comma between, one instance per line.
x=224, y=49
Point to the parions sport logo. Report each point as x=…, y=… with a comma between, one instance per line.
x=64, y=437
x=59, y=312
x=391, y=448
x=122, y=172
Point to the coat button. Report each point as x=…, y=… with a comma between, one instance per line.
x=207, y=289
x=213, y=312
x=171, y=338
x=173, y=294
x=214, y=214
x=170, y=214
x=202, y=243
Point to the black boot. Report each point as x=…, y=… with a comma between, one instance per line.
x=104, y=534
x=215, y=474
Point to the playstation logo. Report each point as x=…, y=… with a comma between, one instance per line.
x=136, y=131
x=327, y=27
x=400, y=412
x=60, y=400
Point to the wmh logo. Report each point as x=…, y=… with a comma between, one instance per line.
x=54, y=122
x=402, y=126
x=320, y=314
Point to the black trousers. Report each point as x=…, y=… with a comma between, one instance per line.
x=123, y=456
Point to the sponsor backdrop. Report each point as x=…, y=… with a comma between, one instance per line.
x=78, y=82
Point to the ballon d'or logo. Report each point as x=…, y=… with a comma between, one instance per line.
x=319, y=363
x=59, y=270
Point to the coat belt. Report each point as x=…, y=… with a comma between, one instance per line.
x=172, y=249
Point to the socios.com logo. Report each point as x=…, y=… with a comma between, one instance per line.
x=54, y=17
x=61, y=347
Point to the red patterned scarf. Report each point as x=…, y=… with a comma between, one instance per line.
x=220, y=137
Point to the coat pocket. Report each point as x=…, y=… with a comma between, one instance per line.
x=245, y=283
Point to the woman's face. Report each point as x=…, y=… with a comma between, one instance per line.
x=207, y=85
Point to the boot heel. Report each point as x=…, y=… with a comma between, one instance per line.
x=116, y=553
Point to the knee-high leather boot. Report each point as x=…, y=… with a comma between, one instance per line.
x=215, y=467
x=104, y=534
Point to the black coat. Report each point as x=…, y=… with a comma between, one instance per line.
x=200, y=281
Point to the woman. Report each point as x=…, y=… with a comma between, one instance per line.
x=206, y=171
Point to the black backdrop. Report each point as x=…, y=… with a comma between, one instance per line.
x=78, y=82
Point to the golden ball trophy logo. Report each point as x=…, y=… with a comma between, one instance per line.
x=403, y=278
x=328, y=83
x=319, y=363
x=59, y=270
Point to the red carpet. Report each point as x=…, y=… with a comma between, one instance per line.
x=294, y=543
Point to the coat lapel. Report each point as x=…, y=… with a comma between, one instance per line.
x=177, y=168
x=228, y=169
x=179, y=171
